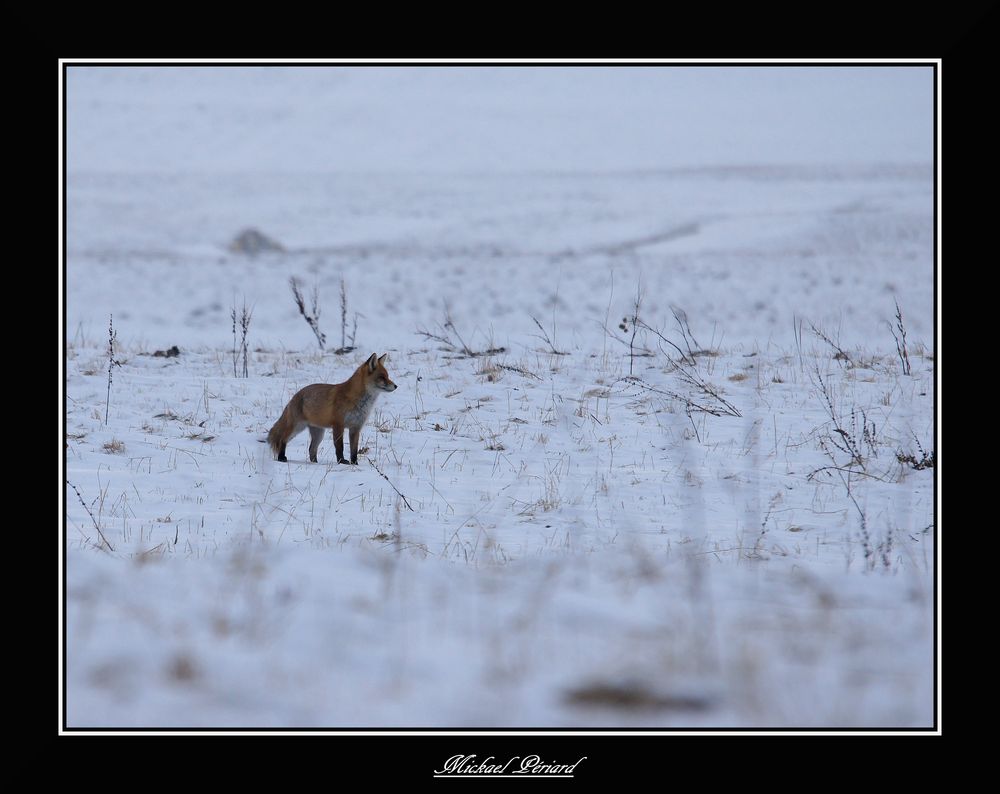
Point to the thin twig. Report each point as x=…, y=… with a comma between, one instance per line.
x=449, y=323
x=797, y=330
x=232, y=315
x=640, y=352
x=343, y=313
x=519, y=370
x=863, y=520
x=901, y=351
x=112, y=362
x=680, y=316
x=242, y=348
x=841, y=355
x=455, y=344
x=94, y=520
x=695, y=380
x=850, y=444
x=245, y=318
x=375, y=466
x=635, y=326
x=675, y=347
x=725, y=408
x=812, y=475
x=346, y=342
x=310, y=317
x=437, y=338
x=545, y=338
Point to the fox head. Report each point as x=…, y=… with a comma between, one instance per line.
x=377, y=376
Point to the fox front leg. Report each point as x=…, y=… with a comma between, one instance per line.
x=355, y=436
x=338, y=443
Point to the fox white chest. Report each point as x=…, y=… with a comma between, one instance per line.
x=357, y=416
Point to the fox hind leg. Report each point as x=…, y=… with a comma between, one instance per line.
x=298, y=428
x=315, y=436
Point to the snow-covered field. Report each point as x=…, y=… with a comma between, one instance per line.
x=580, y=543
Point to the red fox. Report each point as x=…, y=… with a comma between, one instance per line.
x=322, y=405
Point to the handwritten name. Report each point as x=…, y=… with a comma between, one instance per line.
x=518, y=765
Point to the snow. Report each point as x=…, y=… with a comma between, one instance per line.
x=513, y=118
x=581, y=551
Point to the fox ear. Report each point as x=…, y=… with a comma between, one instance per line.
x=371, y=363
x=383, y=358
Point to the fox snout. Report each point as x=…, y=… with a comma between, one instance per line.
x=388, y=386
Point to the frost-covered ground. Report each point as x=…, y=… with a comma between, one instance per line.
x=582, y=550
